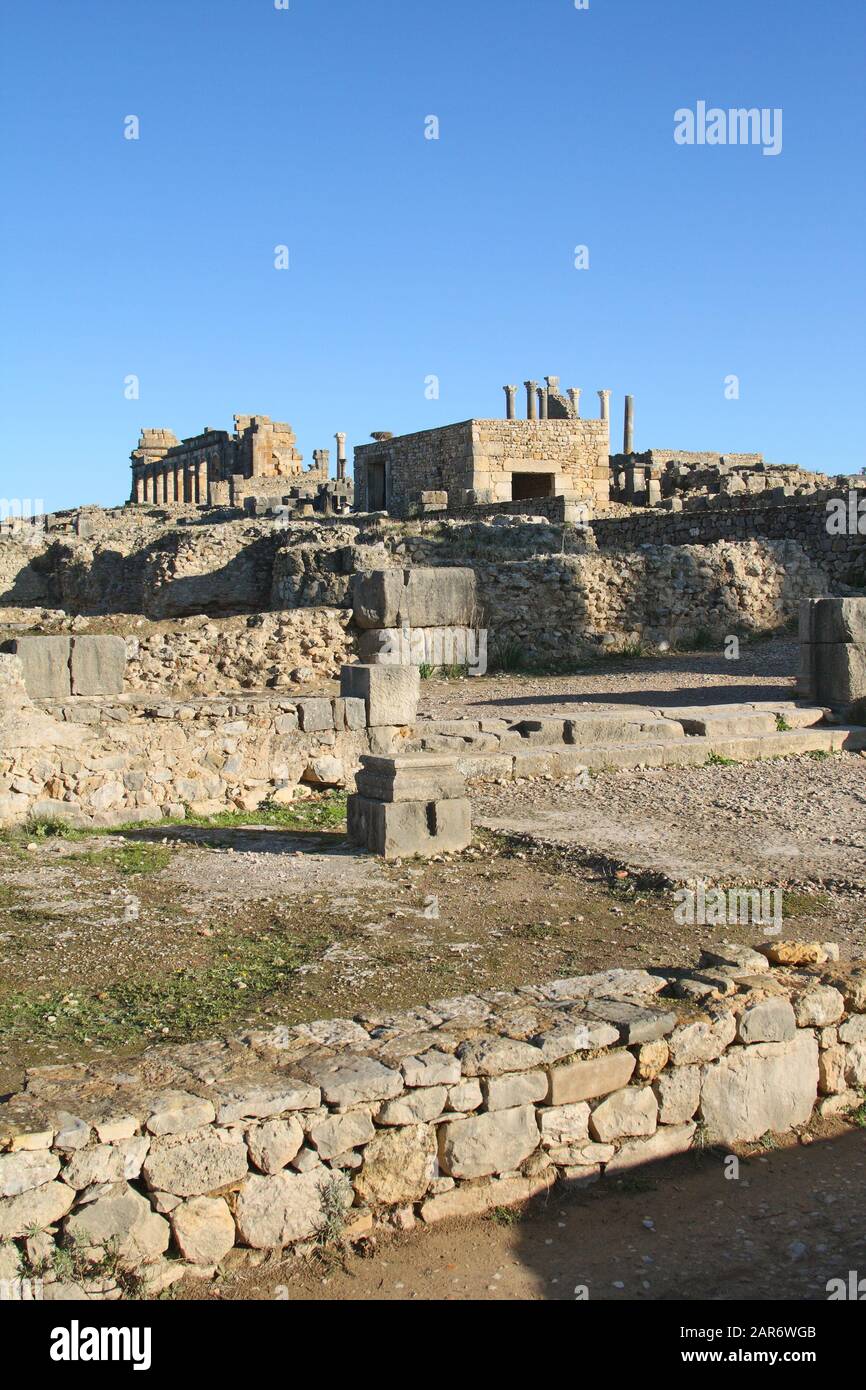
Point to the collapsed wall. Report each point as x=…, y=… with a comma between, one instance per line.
x=279, y=1137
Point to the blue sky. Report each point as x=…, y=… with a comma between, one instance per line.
x=411, y=257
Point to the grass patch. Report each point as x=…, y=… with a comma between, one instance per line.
x=719, y=760
x=506, y=1216
x=327, y=812
x=857, y=1115
x=136, y=857
x=782, y=725
x=188, y=1003
x=507, y=655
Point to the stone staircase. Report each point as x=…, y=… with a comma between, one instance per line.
x=635, y=736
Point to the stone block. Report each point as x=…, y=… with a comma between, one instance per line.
x=315, y=715
x=481, y=1145
x=410, y=777
x=840, y=672
x=665, y=1143
x=390, y=693
x=45, y=666
x=402, y=829
x=378, y=597
x=625, y=1114
x=768, y=1086
x=838, y=620
x=98, y=665
x=573, y=1081
x=422, y=597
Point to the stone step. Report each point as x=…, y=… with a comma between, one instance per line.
x=694, y=751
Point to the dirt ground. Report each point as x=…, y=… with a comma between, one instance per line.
x=793, y=1219
x=109, y=943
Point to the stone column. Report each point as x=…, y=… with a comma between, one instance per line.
x=177, y=483
x=531, y=388
x=201, y=482
x=542, y=402
x=604, y=397
x=138, y=487
x=574, y=397
x=341, y=455
x=510, y=393
x=628, y=426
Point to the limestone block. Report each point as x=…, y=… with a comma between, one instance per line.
x=665, y=1143
x=122, y=1218
x=768, y=1086
x=402, y=829
x=818, y=1006
x=34, y=1210
x=398, y=1166
x=261, y=1102
x=98, y=665
x=497, y=1056
x=519, y=1088
x=338, y=1133
x=771, y=1020
x=377, y=598
x=274, y=1143
x=678, y=1092
x=45, y=665
x=481, y=1145
x=418, y=1106
x=390, y=693
x=840, y=673
x=410, y=777
x=315, y=715
x=432, y=1068
x=196, y=1162
x=574, y=1081
x=630, y=1112
x=838, y=620
x=23, y=1171
x=355, y=1081
x=203, y=1229
x=274, y=1211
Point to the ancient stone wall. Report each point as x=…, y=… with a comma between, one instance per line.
x=282, y=1137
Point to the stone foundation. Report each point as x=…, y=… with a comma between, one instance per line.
x=448, y=1109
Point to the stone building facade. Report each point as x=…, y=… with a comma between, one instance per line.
x=479, y=462
x=212, y=467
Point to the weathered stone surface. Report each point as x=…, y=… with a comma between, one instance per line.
x=40, y=1207
x=178, y=1111
x=195, y=1163
x=398, y=1166
x=771, y=1020
x=204, y=1230
x=732, y=954
x=818, y=1006
x=573, y=1081
x=45, y=664
x=418, y=1106
x=651, y=1059
x=855, y=1065
x=432, y=1068
x=564, y=1124
x=274, y=1143
x=465, y=1096
x=632, y=1111
x=768, y=1086
x=606, y=984
x=565, y=1039
x=390, y=693
x=133, y=1152
x=702, y=1041
x=275, y=1211
x=479, y=1197
x=832, y=1062
x=634, y=1023
x=21, y=1172
x=853, y=1030
x=261, y=1102
x=98, y=665
x=341, y=1132
x=495, y=1056
x=678, y=1092
x=795, y=952
x=355, y=1080
x=517, y=1088
x=852, y=987
x=404, y=829
x=102, y=1163
x=480, y=1145
x=122, y=1218
x=665, y=1143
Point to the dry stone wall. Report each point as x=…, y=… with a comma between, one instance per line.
x=277, y=1137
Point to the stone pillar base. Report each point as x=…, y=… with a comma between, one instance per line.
x=408, y=829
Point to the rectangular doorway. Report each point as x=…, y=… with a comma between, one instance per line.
x=376, y=485
x=531, y=485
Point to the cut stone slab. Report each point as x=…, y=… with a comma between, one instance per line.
x=564, y=1124
x=263, y=1102
x=432, y=1068
x=838, y=620
x=355, y=1081
x=479, y=1197
x=178, y=1111
x=678, y=1092
x=274, y=1143
x=405, y=829
x=398, y=1166
x=390, y=693
x=21, y=1172
x=421, y=597
x=585, y=1080
x=481, y=1145
x=634, y=1023
x=495, y=1056
x=818, y=1006
x=418, y=1106
x=518, y=1088
x=338, y=1133
x=98, y=665
x=45, y=665
x=564, y=1039
x=37, y=1209
x=122, y=1218
x=702, y=1041
x=768, y=1086
x=410, y=777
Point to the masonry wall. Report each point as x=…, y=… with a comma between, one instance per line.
x=446, y=1110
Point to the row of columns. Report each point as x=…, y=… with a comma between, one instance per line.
x=173, y=482
x=537, y=397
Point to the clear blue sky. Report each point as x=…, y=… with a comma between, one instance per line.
x=413, y=257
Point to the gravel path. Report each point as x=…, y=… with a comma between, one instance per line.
x=785, y=821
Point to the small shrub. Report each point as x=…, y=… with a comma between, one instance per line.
x=782, y=725
x=425, y=670
x=507, y=655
